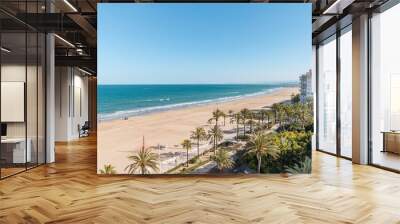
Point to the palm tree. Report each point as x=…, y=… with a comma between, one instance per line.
x=304, y=167
x=279, y=110
x=235, y=118
x=108, y=169
x=290, y=113
x=216, y=114
x=269, y=118
x=186, y=144
x=251, y=123
x=223, y=160
x=215, y=135
x=223, y=115
x=258, y=116
x=261, y=145
x=231, y=113
x=244, y=115
x=199, y=134
x=144, y=160
x=263, y=114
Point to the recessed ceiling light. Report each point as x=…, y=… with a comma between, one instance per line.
x=84, y=71
x=70, y=5
x=337, y=7
x=64, y=40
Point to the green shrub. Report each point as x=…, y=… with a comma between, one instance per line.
x=243, y=137
x=294, y=148
x=194, y=160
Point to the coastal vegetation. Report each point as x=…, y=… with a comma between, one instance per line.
x=108, y=169
x=199, y=134
x=262, y=145
x=215, y=135
x=275, y=139
x=144, y=161
x=304, y=167
x=216, y=115
x=223, y=160
x=186, y=144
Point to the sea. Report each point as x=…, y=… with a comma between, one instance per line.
x=121, y=101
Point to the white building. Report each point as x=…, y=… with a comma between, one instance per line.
x=306, y=86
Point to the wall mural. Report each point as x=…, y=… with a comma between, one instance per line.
x=204, y=89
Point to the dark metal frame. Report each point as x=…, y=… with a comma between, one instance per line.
x=369, y=103
x=316, y=96
x=338, y=76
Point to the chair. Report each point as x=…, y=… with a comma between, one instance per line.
x=84, y=130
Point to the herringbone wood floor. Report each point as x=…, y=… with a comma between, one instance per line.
x=69, y=191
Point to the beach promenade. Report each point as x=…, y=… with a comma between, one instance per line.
x=164, y=131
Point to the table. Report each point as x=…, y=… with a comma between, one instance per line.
x=391, y=141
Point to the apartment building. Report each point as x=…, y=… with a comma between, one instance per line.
x=306, y=86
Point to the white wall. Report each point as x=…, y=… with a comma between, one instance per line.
x=71, y=87
x=62, y=82
x=79, y=115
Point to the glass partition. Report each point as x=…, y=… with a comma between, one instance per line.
x=327, y=95
x=13, y=114
x=23, y=91
x=385, y=89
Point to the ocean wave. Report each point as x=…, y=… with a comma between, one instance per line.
x=152, y=100
x=146, y=110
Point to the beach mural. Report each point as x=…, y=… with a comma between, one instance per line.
x=204, y=89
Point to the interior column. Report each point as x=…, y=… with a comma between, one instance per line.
x=360, y=90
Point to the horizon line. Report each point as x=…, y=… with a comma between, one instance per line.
x=275, y=82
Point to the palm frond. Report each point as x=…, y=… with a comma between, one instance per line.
x=144, y=161
x=108, y=169
x=223, y=160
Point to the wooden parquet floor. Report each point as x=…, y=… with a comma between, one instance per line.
x=69, y=191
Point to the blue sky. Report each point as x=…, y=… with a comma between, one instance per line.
x=203, y=43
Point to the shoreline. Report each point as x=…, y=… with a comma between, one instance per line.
x=165, y=130
x=121, y=115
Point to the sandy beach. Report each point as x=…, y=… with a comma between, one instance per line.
x=117, y=139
